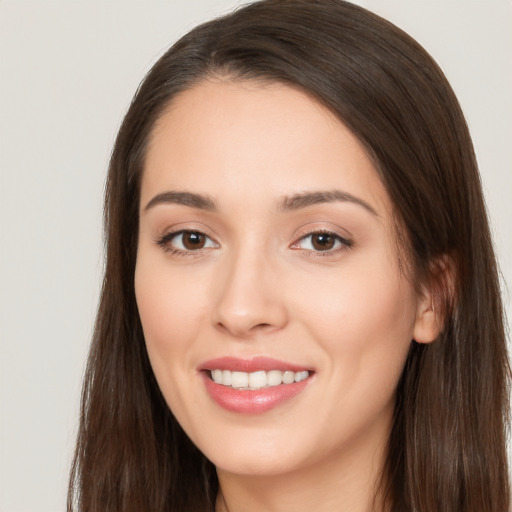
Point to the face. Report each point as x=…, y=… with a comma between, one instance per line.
x=276, y=317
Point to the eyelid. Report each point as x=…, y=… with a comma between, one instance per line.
x=344, y=241
x=164, y=241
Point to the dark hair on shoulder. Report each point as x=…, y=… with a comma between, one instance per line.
x=447, y=446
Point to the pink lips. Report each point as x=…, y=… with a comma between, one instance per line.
x=251, y=401
x=250, y=365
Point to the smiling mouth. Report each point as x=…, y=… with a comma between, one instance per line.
x=256, y=380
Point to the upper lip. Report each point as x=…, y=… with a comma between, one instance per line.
x=253, y=364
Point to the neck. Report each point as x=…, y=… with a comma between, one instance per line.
x=346, y=482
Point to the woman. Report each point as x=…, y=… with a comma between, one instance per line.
x=301, y=307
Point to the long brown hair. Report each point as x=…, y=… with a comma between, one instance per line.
x=447, y=446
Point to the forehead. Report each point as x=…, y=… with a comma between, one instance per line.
x=237, y=138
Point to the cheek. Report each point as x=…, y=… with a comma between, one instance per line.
x=169, y=303
x=364, y=321
x=170, y=309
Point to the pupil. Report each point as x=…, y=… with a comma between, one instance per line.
x=323, y=242
x=193, y=240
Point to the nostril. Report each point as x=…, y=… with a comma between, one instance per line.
x=242, y=330
x=261, y=326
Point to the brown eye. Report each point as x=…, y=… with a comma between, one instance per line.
x=322, y=241
x=193, y=240
x=186, y=241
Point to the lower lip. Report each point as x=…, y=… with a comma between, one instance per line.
x=252, y=402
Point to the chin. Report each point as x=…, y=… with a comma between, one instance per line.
x=257, y=464
x=257, y=452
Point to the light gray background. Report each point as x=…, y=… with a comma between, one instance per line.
x=67, y=72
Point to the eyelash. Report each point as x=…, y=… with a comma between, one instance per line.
x=344, y=243
x=165, y=241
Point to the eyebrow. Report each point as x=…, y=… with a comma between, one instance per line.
x=183, y=198
x=303, y=200
x=288, y=203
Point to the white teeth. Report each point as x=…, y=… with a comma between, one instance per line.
x=288, y=377
x=239, y=379
x=226, y=378
x=274, y=378
x=301, y=376
x=257, y=380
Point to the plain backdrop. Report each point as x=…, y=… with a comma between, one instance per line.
x=68, y=70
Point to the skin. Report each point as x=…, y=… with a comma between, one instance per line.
x=258, y=286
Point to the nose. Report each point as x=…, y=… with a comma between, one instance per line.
x=249, y=299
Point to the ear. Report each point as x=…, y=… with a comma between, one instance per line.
x=435, y=300
x=427, y=325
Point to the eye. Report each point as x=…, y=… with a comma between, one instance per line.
x=186, y=241
x=322, y=242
